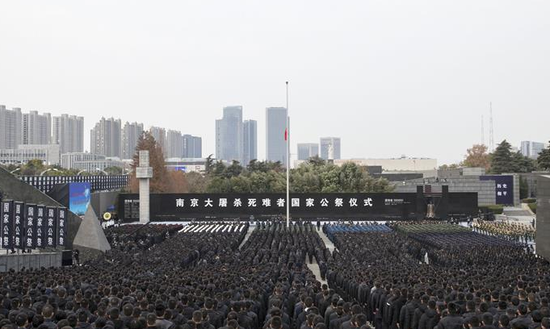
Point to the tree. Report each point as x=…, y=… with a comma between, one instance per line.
x=160, y=183
x=543, y=161
x=33, y=167
x=316, y=161
x=113, y=170
x=209, y=164
x=501, y=159
x=477, y=156
x=447, y=167
x=522, y=164
x=196, y=183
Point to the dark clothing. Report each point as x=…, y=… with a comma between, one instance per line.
x=451, y=322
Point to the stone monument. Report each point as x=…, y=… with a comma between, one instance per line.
x=144, y=173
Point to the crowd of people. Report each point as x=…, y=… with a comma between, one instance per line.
x=506, y=230
x=407, y=281
x=190, y=280
x=421, y=275
x=129, y=238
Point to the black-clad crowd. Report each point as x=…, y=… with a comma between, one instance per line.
x=416, y=277
x=433, y=279
x=190, y=280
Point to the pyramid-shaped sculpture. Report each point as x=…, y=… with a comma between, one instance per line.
x=90, y=234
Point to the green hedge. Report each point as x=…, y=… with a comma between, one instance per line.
x=496, y=209
x=533, y=206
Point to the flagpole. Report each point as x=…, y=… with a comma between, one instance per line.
x=287, y=162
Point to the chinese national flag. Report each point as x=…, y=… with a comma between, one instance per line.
x=286, y=134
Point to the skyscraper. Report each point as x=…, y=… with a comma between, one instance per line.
x=130, y=137
x=307, y=150
x=159, y=134
x=174, y=144
x=250, y=141
x=531, y=149
x=37, y=128
x=276, y=120
x=326, y=143
x=229, y=134
x=68, y=132
x=11, y=132
x=192, y=146
x=106, y=138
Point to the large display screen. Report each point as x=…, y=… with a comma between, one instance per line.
x=79, y=197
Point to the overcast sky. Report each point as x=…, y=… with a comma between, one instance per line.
x=388, y=77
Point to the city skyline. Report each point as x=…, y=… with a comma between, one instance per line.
x=363, y=71
x=76, y=123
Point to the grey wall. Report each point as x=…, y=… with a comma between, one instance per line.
x=531, y=180
x=38, y=260
x=543, y=217
x=13, y=188
x=485, y=190
x=102, y=200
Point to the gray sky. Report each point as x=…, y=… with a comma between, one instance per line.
x=388, y=77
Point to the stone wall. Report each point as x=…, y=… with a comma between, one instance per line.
x=37, y=260
x=13, y=188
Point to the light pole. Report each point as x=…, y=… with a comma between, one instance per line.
x=16, y=169
x=49, y=169
x=287, y=137
x=80, y=172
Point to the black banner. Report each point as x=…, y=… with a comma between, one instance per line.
x=40, y=226
x=61, y=228
x=98, y=183
x=51, y=219
x=7, y=224
x=169, y=207
x=19, y=225
x=30, y=226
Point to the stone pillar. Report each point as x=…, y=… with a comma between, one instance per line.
x=542, y=238
x=144, y=173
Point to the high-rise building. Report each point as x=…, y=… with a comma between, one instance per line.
x=159, y=134
x=37, y=128
x=106, y=138
x=174, y=144
x=11, y=132
x=307, y=150
x=276, y=121
x=192, y=146
x=330, y=148
x=531, y=149
x=229, y=134
x=68, y=132
x=130, y=137
x=250, y=141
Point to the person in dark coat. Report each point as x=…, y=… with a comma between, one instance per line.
x=407, y=312
x=523, y=319
x=452, y=320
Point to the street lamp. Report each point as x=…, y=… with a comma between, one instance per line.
x=80, y=172
x=16, y=169
x=49, y=169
